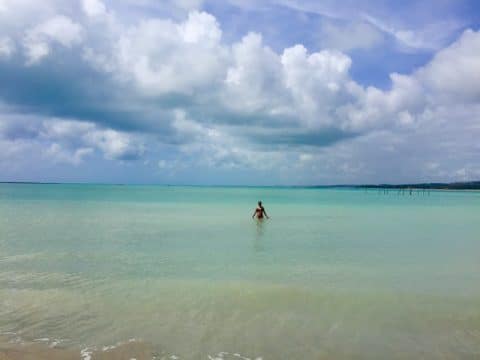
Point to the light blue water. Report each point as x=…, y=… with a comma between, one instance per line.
x=334, y=274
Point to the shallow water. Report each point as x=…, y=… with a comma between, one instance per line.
x=334, y=274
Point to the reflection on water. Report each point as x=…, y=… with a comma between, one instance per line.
x=260, y=227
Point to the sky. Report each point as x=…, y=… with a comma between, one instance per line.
x=240, y=92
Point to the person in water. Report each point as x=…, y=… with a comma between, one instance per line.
x=259, y=212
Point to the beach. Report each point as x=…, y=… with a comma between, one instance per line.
x=44, y=349
x=172, y=272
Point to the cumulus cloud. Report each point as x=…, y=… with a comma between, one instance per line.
x=70, y=141
x=450, y=78
x=93, y=8
x=56, y=153
x=84, y=135
x=453, y=75
x=115, y=145
x=161, y=56
x=253, y=81
x=233, y=105
x=59, y=29
x=316, y=82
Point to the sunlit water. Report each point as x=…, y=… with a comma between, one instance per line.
x=334, y=273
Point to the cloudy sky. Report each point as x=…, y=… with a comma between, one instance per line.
x=239, y=91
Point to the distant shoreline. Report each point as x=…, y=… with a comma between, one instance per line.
x=470, y=185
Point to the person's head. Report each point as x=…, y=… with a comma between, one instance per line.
x=260, y=203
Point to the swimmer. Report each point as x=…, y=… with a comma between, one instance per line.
x=260, y=211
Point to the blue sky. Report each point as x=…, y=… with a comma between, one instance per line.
x=239, y=92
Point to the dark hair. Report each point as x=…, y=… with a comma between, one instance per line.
x=260, y=203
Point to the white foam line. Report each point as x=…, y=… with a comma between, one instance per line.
x=42, y=340
x=86, y=354
x=241, y=357
x=54, y=343
x=106, y=348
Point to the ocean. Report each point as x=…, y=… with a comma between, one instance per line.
x=334, y=274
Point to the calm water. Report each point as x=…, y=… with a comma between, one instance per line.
x=334, y=273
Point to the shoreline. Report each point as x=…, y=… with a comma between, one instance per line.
x=130, y=350
x=45, y=349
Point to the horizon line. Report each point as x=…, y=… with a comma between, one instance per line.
x=358, y=185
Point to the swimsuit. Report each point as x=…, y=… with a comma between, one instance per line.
x=259, y=212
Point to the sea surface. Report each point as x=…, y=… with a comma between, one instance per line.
x=334, y=274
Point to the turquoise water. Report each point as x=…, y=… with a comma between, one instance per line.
x=335, y=273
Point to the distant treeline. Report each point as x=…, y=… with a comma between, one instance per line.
x=469, y=185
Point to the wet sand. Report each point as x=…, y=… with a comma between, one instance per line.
x=40, y=351
x=132, y=350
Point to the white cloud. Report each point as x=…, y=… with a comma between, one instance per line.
x=295, y=84
x=70, y=141
x=451, y=77
x=314, y=91
x=7, y=47
x=94, y=8
x=247, y=104
x=14, y=156
x=217, y=148
x=56, y=153
x=161, y=56
x=35, y=51
x=115, y=145
x=345, y=36
x=59, y=29
x=253, y=82
x=415, y=26
x=201, y=27
x=432, y=36
x=78, y=135
x=454, y=72
x=372, y=108
x=316, y=82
